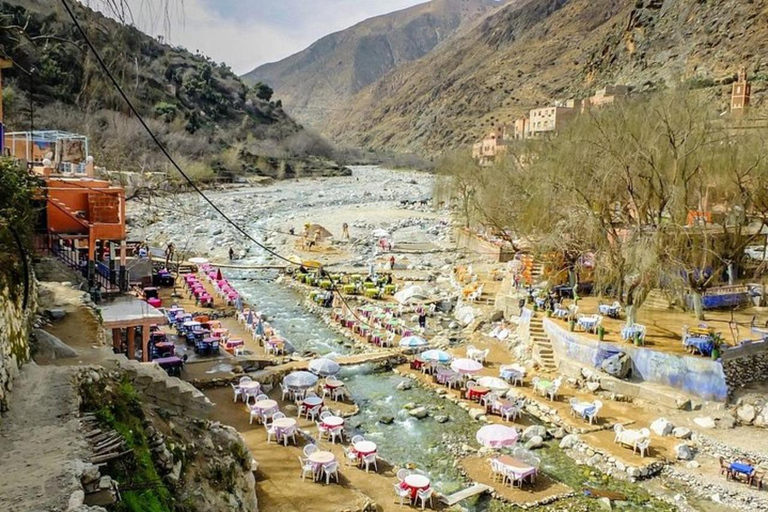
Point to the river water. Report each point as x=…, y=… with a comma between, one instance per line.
x=407, y=440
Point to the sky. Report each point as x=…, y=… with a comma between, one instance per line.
x=247, y=33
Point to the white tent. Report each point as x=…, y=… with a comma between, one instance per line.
x=411, y=293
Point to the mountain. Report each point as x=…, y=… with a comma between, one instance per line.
x=531, y=52
x=321, y=78
x=203, y=112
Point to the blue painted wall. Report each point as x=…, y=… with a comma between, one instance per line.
x=695, y=375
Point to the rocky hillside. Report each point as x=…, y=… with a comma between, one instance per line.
x=321, y=78
x=530, y=52
x=204, y=113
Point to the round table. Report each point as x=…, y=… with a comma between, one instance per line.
x=333, y=383
x=320, y=457
x=477, y=392
x=416, y=483
x=364, y=448
x=333, y=421
x=251, y=385
x=283, y=424
x=265, y=405
x=312, y=401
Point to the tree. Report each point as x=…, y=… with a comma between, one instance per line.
x=263, y=91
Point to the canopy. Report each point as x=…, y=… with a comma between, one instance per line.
x=324, y=366
x=249, y=320
x=411, y=293
x=300, y=379
x=198, y=261
x=317, y=228
x=497, y=436
x=441, y=356
x=412, y=341
x=466, y=366
x=494, y=383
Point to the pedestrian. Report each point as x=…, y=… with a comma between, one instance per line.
x=345, y=230
x=169, y=250
x=517, y=281
x=392, y=262
x=231, y=254
x=422, y=319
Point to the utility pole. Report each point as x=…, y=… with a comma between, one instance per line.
x=4, y=64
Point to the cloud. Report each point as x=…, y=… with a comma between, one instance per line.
x=247, y=33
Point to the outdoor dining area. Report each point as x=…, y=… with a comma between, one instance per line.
x=516, y=469
x=701, y=340
x=638, y=440
x=373, y=286
x=742, y=470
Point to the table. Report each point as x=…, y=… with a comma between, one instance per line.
x=740, y=467
x=172, y=364
x=583, y=408
x=629, y=332
x=606, y=309
x=519, y=469
x=417, y=363
x=363, y=448
x=333, y=383
x=312, y=401
x=543, y=384
x=512, y=372
x=250, y=385
x=703, y=344
x=164, y=346
x=477, y=392
x=320, y=457
x=281, y=425
x=416, y=483
x=265, y=405
x=333, y=421
x=587, y=323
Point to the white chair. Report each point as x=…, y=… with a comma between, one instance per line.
x=245, y=379
x=369, y=460
x=554, y=388
x=327, y=392
x=312, y=412
x=618, y=429
x=481, y=355
x=331, y=469
x=402, y=473
x=350, y=457
x=488, y=399
x=471, y=349
x=357, y=439
x=261, y=396
x=278, y=416
x=306, y=468
x=510, y=413
x=289, y=432
x=423, y=495
x=254, y=413
x=237, y=391
x=403, y=493
x=309, y=450
x=335, y=432
x=591, y=415
x=498, y=473
x=325, y=414
x=253, y=393
x=271, y=432
x=339, y=393
x=322, y=431
x=642, y=445
x=389, y=340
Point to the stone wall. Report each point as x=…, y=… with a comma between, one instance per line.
x=15, y=326
x=745, y=364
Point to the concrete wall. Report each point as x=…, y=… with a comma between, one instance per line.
x=15, y=326
x=483, y=249
x=697, y=376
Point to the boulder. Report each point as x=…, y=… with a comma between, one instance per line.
x=569, y=441
x=386, y=420
x=727, y=421
x=593, y=386
x=419, y=412
x=681, y=432
x=52, y=347
x=618, y=365
x=534, y=442
x=683, y=452
x=705, y=422
x=441, y=418
x=55, y=313
x=662, y=427
x=534, y=431
x=405, y=385
x=475, y=413
x=746, y=414
x=762, y=419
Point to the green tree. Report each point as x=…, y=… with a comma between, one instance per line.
x=263, y=91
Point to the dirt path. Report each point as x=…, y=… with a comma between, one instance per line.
x=40, y=441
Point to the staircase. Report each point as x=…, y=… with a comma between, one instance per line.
x=537, y=271
x=542, y=347
x=656, y=300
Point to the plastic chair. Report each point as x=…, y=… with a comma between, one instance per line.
x=424, y=495
x=335, y=432
x=271, y=432
x=403, y=493
x=261, y=396
x=370, y=459
x=402, y=473
x=321, y=430
x=245, y=379
x=350, y=457
x=357, y=439
x=289, y=432
x=237, y=391
x=306, y=468
x=642, y=446
x=592, y=415
x=331, y=469
x=339, y=393
x=278, y=416
x=309, y=450
x=325, y=414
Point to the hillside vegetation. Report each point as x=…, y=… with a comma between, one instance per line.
x=204, y=113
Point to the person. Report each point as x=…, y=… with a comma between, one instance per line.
x=389, y=279
x=143, y=253
x=302, y=269
x=231, y=253
x=422, y=318
x=345, y=230
x=517, y=281
x=292, y=230
x=169, y=250
x=328, y=300
x=392, y=262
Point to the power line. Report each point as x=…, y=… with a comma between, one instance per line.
x=165, y=152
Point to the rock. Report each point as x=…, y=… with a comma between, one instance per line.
x=404, y=385
x=633, y=472
x=727, y=421
x=692, y=464
x=533, y=431
x=620, y=466
x=569, y=441
x=49, y=346
x=409, y=406
x=705, y=422
x=534, y=442
x=762, y=419
x=386, y=420
x=593, y=386
x=76, y=500
x=683, y=452
x=90, y=474
x=604, y=503
x=681, y=432
x=618, y=365
x=419, y=412
x=662, y=427
x=497, y=316
x=55, y=313
x=476, y=412
x=746, y=414
x=441, y=418
x=558, y=433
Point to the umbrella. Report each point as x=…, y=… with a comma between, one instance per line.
x=411, y=293
x=249, y=320
x=466, y=366
x=497, y=436
x=494, y=383
x=219, y=277
x=198, y=261
x=380, y=233
x=300, y=379
x=412, y=341
x=324, y=366
x=441, y=356
x=260, y=327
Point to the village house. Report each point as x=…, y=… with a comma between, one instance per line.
x=548, y=120
x=493, y=146
x=740, y=93
x=608, y=95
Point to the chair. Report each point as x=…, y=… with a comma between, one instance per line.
x=725, y=468
x=238, y=392
x=331, y=469
x=313, y=411
x=254, y=413
x=289, y=432
x=245, y=379
x=552, y=390
x=321, y=430
x=339, y=393
x=278, y=416
x=357, y=439
x=271, y=432
x=481, y=355
x=618, y=429
x=306, y=467
x=497, y=471
x=471, y=349
x=350, y=457
x=423, y=495
x=402, y=473
x=510, y=413
x=254, y=393
x=488, y=399
x=261, y=396
x=642, y=445
x=325, y=414
x=370, y=459
x=309, y=393
x=309, y=450
x=591, y=414
x=574, y=402
x=403, y=493
x=335, y=432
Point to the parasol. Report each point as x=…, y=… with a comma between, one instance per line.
x=300, y=379
x=466, y=366
x=324, y=366
x=493, y=383
x=497, y=436
x=441, y=356
x=412, y=341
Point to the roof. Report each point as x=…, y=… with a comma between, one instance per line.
x=129, y=312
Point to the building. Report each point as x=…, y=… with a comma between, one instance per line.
x=62, y=152
x=608, y=95
x=549, y=120
x=493, y=146
x=740, y=93
x=520, y=128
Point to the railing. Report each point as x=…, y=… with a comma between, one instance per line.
x=51, y=244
